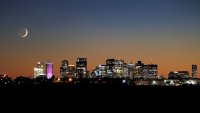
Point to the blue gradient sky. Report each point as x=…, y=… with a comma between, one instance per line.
x=167, y=31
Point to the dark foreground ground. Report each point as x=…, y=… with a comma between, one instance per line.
x=65, y=96
x=79, y=91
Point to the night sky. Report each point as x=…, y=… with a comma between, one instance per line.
x=164, y=32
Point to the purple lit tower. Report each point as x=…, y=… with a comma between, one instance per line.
x=49, y=70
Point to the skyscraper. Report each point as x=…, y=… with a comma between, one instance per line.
x=131, y=68
x=118, y=68
x=110, y=67
x=38, y=70
x=145, y=71
x=72, y=70
x=194, y=71
x=49, y=70
x=138, y=71
x=64, y=69
x=101, y=71
x=125, y=72
x=81, y=66
x=152, y=70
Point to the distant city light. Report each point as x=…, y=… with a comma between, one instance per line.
x=123, y=81
x=70, y=79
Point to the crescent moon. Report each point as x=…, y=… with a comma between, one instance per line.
x=25, y=33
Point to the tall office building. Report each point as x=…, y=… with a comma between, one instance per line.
x=150, y=70
x=125, y=70
x=131, y=68
x=64, y=69
x=49, y=70
x=118, y=68
x=110, y=67
x=153, y=69
x=101, y=71
x=142, y=70
x=81, y=66
x=138, y=71
x=64, y=64
x=39, y=70
x=72, y=70
x=194, y=71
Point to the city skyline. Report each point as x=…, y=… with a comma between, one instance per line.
x=45, y=68
x=159, y=32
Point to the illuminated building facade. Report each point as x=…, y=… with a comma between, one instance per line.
x=64, y=69
x=101, y=71
x=38, y=70
x=145, y=71
x=178, y=75
x=118, y=68
x=153, y=70
x=72, y=70
x=81, y=67
x=150, y=71
x=131, y=68
x=49, y=70
x=110, y=67
x=125, y=72
x=194, y=71
x=138, y=71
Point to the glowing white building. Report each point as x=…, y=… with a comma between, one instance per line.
x=38, y=70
